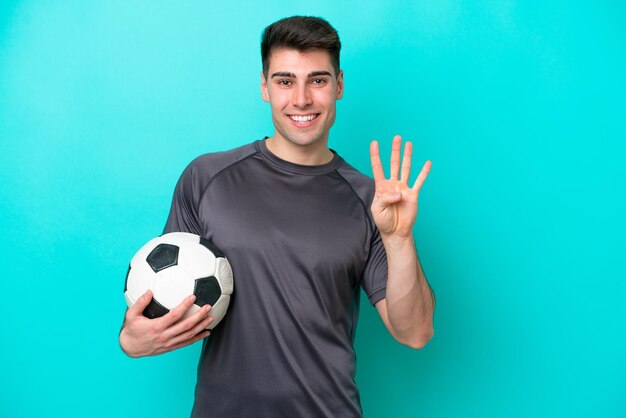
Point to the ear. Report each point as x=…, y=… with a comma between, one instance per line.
x=340, y=85
x=264, y=93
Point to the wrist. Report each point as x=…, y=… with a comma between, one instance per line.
x=396, y=242
x=126, y=345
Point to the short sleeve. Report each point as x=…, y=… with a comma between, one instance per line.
x=184, y=212
x=183, y=216
x=375, y=275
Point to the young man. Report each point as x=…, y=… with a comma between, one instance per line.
x=304, y=231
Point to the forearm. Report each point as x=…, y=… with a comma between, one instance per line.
x=409, y=299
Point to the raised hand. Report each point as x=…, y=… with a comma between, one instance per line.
x=394, y=207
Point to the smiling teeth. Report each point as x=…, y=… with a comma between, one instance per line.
x=302, y=119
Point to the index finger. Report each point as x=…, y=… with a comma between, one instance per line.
x=377, y=165
x=140, y=304
x=178, y=312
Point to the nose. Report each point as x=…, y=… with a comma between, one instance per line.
x=301, y=96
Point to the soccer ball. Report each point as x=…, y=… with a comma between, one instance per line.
x=176, y=265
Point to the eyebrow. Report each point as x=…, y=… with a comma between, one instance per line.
x=292, y=75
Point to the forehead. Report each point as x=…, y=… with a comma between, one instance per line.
x=295, y=61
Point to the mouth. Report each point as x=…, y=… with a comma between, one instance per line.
x=303, y=120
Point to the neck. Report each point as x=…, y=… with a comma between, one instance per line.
x=313, y=154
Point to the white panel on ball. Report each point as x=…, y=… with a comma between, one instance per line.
x=224, y=275
x=172, y=286
x=218, y=311
x=142, y=279
x=196, y=260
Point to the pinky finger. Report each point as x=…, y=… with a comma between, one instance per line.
x=193, y=332
x=201, y=336
x=419, y=182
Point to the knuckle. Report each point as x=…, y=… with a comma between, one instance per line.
x=161, y=340
x=198, y=329
x=188, y=325
x=176, y=314
x=156, y=327
x=169, y=345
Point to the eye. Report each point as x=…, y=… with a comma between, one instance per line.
x=284, y=82
x=318, y=81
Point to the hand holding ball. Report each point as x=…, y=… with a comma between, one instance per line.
x=176, y=265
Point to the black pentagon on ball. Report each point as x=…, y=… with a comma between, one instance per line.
x=211, y=247
x=155, y=310
x=207, y=290
x=162, y=257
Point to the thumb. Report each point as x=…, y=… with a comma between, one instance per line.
x=382, y=200
x=141, y=304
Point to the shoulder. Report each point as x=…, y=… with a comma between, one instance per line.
x=194, y=180
x=362, y=185
x=199, y=173
x=208, y=165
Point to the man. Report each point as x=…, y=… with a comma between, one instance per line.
x=304, y=231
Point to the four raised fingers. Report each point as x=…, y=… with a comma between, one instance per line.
x=377, y=166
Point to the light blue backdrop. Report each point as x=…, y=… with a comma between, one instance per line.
x=520, y=106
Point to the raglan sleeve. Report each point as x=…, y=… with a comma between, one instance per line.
x=374, y=281
x=183, y=215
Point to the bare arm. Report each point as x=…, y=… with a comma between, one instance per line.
x=407, y=311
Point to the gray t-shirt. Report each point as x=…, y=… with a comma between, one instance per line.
x=301, y=242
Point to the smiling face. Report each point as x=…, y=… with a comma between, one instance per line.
x=302, y=89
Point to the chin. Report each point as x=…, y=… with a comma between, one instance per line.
x=303, y=139
x=305, y=142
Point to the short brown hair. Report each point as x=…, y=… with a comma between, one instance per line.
x=302, y=33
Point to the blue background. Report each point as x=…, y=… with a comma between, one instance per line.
x=519, y=104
